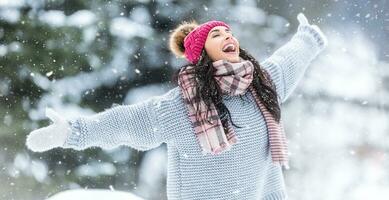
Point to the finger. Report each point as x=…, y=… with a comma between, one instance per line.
x=321, y=34
x=54, y=116
x=302, y=19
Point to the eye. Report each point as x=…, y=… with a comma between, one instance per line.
x=215, y=36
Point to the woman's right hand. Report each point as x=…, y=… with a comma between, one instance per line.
x=49, y=137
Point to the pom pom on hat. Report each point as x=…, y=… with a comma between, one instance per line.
x=176, y=40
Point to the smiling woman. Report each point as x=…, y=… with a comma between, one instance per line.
x=221, y=123
x=223, y=68
x=221, y=44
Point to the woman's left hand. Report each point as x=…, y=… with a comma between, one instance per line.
x=303, y=21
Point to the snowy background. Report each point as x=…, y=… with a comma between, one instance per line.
x=82, y=57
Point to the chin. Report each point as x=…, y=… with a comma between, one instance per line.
x=233, y=60
x=232, y=57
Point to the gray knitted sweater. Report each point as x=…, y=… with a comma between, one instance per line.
x=244, y=172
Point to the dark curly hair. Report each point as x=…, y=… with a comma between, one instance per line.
x=211, y=92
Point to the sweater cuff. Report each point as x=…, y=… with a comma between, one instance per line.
x=315, y=33
x=76, y=139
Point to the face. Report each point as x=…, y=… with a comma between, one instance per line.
x=221, y=44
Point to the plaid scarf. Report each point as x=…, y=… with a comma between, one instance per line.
x=233, y=79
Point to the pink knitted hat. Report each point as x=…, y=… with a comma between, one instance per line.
x=194, y=42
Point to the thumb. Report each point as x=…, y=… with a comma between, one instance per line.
x=302, y=19
x=54, y=116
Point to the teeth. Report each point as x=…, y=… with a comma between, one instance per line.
x=228, y=45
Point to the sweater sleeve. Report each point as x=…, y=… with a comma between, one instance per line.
x=136, y=125
x=288, y=64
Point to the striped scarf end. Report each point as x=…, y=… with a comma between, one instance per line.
x=223, y=148
x=284, y=164
x=218, y=150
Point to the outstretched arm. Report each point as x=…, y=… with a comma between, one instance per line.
x=288, y=64
x=136, y=125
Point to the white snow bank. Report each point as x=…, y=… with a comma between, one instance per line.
x=94, y=194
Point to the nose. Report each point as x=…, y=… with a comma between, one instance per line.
x=228, y=36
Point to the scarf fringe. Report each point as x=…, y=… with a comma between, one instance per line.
x=284, y=164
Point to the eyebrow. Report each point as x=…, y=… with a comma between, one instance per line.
x=227, y=29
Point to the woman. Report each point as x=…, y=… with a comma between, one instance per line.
x=221, y=123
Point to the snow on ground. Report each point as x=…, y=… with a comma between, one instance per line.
x=94, y=194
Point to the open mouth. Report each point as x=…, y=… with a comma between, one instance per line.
x=230, y=48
